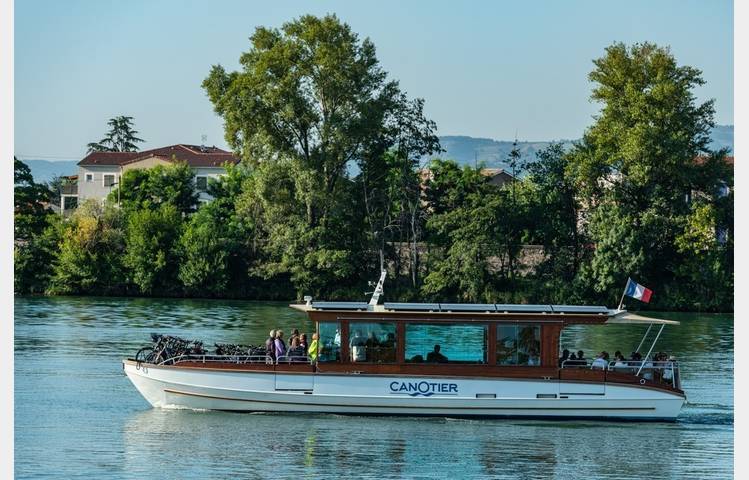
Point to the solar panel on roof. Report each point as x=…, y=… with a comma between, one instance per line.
x=579, y=309
x=504, y=307
x=340, y=305
x=467, y=307
x=413, y=307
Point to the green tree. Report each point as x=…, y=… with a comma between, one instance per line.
x=312, y=98
x=29, y=200
x=150, y=248
x=120, y=138
x=637, y=163
x=161, y=185
x=555, y=215
x=34, y=259
x=90, y=254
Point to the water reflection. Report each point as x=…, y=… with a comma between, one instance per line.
x=219, y=444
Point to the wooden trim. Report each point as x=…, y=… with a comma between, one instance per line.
x=400, y=342
x=344, y=341
x=491, y=350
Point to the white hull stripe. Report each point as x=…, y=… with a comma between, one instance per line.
x=213, y=397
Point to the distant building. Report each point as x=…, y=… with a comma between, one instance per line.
x=497, y=176
x=99, y=173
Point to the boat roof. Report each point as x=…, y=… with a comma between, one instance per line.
x=445, y=311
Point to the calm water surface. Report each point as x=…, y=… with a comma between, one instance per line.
x=77, y=415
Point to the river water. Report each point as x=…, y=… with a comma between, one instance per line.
x=77, y=415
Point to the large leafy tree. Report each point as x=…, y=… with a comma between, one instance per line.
x=120, y=138
x=636, y=163
x=313, y=98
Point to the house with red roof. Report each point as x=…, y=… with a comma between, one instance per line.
x=99, y=173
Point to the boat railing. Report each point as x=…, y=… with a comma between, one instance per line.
x=209, y=358
x=240, y=359
x=662, y=371
x=293, y=359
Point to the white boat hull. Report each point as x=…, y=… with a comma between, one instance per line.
x=216, y=389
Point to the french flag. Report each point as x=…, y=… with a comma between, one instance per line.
x=635, y=290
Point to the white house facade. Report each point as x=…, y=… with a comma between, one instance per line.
x=99, y=173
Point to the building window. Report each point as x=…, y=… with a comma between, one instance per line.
x=519, y=345
x=89, y=177
x=108, y=180
x=372, y=342
x=329, y=342
x=430, y=343
x=201, y=183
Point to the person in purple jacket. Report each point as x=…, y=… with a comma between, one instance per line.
x=280, y=346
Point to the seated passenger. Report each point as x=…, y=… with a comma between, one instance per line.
x=358, y=348
x=435, y=356
x=581, y=360
x=533, y=359
x=620, y=364
x=565, y=356
x=417, y=359
x=600, y=362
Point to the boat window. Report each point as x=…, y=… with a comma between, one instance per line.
x=372, y=342
x=519, y=344
x=458, y=343
x=330, y=342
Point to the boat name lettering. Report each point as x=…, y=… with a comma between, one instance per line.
x=425, y=389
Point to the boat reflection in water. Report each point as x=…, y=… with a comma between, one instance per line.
x=422, y=359
x=321, y=446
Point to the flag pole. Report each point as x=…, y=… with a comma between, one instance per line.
x=623, y=294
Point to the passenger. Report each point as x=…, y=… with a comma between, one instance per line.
x=303, y=342
x=294, y=342
x=606, y=356
x=294, y=334
x=572, y=361
x=279, y=344
x=581, y=360
x=565, y=356
x=417, y=359
x=358, y=347
x=600, y=362
x=435, y=356
x=533, y=359
x=313, y=349
x=647, y=369
x=620, y=364
x=270, y=347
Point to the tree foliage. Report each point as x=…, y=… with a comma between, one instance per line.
x=120, y=138
x=151, y=188
x=150, y=248
x=29, y=200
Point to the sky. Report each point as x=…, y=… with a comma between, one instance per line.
x=495, y=69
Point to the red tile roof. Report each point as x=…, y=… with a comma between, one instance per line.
x=701, y=159
x=193, y=155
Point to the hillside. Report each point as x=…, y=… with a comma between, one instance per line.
x=463, y=149
x=468, y=150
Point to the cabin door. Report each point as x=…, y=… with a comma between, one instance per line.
x=295, y=382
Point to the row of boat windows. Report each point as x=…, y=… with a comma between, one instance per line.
x=517, y=344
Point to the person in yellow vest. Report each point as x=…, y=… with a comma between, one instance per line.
x=313, y=349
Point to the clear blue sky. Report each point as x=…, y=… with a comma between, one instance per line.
x=485, y=68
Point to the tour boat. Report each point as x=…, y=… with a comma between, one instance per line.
x=428, y=359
